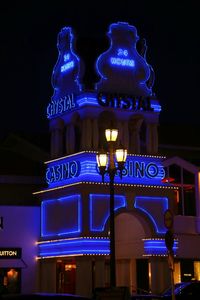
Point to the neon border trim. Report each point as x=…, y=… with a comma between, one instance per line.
x=75, y=246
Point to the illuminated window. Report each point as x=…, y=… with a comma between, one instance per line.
x=185, y=180
x=197, y=270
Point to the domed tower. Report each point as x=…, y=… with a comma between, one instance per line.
x=75, y=204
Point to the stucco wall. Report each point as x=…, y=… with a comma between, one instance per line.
x=21, y=229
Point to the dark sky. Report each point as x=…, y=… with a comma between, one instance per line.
x=28, y=53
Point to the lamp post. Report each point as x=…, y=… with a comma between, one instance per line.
x=106, y=164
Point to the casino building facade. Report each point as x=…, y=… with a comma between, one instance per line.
x=73, y=248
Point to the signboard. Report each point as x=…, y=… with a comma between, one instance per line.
x=82, y=167
x=70, y=102
x=10, y=253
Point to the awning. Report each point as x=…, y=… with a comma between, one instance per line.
x=13, y=263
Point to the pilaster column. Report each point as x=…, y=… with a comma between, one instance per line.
x=86, y=140
x=88, y=134
x=99, y=272
x=47, y=276
x=84, y=276
x=160, y=274
x=134, y=141
x=135, y=135
x=70, y=139
x=56, y=129
x=152, y=138
x=95, y=135
x=155, y=138
x=125, y=135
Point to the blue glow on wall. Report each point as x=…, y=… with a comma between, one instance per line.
x=61, y=216
x=79, y=246
x=154, y=208
x=99, y=209
x=157, y=247
x=82, y=167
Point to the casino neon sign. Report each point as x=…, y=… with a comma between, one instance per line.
x=62, y=171
x=83, y=167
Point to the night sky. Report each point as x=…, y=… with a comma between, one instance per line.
x=29, y=52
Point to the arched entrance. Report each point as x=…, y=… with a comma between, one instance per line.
x=130, y=230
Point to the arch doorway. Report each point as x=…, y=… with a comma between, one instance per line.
x=130, y=230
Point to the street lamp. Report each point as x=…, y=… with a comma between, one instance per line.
x=112, y=163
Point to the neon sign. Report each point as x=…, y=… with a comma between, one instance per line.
x=68, y=64
x=125, y=102
x=61, y=105
x=62, y=171
x=83, y=167
x=70, y=102
x=140, y=169
x=125, y=62
x=66, y=72
x=121, y=67
x=122, y=62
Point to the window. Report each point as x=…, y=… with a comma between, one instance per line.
x=186, y=182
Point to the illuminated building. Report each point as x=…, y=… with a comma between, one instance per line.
x=73, y=248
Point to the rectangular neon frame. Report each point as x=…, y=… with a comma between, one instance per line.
x=66, y=231
x=142, y=203
x=120, y=202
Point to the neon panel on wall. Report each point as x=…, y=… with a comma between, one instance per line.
x=61, y=216
x=82, y=167
x=75, y=246
x=154, y=208
x=99, y=209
